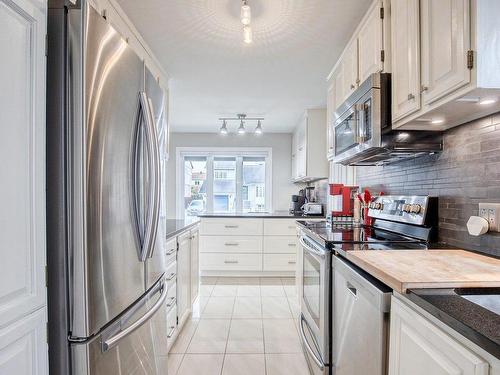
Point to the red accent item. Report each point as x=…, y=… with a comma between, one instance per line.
x=344, y=199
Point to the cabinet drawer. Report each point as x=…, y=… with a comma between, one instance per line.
x=231, y=227
x=171, y=274
x=171, y=250
x=171, y=300
x=280, y=244
x=230, y=262
x=280, y=227
x=231, y=244
x=172, y=327
x=280, y=262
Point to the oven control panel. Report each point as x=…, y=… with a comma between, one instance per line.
x=405, y=209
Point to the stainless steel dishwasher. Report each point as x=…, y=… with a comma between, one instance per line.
x=361, y=321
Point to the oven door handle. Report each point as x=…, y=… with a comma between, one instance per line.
x=319, y=362
x=311, y=249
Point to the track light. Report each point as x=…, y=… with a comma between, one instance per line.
x=241, y=129
x=258, y=129
x=246, y=13
x=223, y=129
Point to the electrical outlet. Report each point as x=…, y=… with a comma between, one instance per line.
x=491, y=212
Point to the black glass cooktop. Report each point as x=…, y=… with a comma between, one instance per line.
x=350, y=236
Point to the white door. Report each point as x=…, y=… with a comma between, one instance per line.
x=419, y=347
x=184, y=276
x=195, y=264
x=445, y=36
x=23, y=348
x=370, y=45
x=405, y=52
x=350, y=69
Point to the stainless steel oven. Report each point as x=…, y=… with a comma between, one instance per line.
x=315, y=319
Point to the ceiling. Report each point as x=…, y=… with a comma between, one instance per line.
x=213, y=73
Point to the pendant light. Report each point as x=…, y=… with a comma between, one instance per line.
x=258, y=129
x=223, y=129
x=241, y=129
x=246, y=13
x=247, y=34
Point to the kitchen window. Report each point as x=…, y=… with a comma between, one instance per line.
x=223, y=180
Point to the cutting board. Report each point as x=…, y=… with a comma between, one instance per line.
x=410, y=269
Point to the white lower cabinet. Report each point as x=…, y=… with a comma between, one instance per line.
x=184, y=276
x=195, y=264
x=280, y=262
x=230, y=262
x=23, y=346
x=417, y=347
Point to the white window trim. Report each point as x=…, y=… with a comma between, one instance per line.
x=211, y=152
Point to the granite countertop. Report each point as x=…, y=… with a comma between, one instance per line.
x=274, y=214
x=479, y=324
x=176, y=226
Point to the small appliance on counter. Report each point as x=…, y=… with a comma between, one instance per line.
x=296, y=204
x=311, y=209
x=343, y=201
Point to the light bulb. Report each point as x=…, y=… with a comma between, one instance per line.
x=487, y=101
x=437, y=121
x=246, y=14
x=258, y=129
x=223, y=129
x=241, y=129
x=247, y=34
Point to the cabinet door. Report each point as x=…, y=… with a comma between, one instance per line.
x=445, y=35
x=183, y=276
x=370, y=44
x=350, y=69
x=195, y=264
x=23, y=346
x=339, y=86
x=419, y=347
x=330, y=116
x=302, y=148
x=22, y=151
x=405, y=52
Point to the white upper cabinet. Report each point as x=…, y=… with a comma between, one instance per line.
x=370, y=44
x=22, y=151
x=366, y=53
x=458, y=62
x=309, y=162
x=445, y=41
x=330, y=116
x=405, y=31
x=419, y=347
x=350, y=70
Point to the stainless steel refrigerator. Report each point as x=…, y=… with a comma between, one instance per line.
x=106, y=152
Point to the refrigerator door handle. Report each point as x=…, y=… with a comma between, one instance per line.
x=156, y=186
x=109, y=340
x=148, y=230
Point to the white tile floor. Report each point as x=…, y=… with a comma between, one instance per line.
x=241, y=326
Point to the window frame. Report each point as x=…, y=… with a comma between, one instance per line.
x=210, y=153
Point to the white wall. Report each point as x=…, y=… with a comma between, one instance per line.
x=281, y=144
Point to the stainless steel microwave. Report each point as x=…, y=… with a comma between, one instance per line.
x=363, y=132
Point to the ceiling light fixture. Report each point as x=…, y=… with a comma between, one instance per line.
x=246, y=13
x=242, y=119
x=258, y=129
x=246, y=17
x=223, y=129
x=437, y=121
x=487, y=101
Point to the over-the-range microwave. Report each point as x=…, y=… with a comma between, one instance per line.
x=363, y=133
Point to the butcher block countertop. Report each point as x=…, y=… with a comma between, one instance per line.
x=410, y=269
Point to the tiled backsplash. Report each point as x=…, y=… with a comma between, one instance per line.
x=466, y=173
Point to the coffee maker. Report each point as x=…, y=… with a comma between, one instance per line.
x=343, y=198
x=296, y=204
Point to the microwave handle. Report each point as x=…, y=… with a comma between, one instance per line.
x=360, y=123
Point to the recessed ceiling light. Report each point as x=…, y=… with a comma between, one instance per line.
x=437, y=121
x=487, y=101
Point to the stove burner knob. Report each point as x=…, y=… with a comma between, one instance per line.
x=416, y=208
x=378, y=206
x=406, y=208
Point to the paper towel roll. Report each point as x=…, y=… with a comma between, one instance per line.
x=477, y=226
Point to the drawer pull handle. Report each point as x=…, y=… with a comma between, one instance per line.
x=351, y=288
x=411, y=96
x=172, y=302
x=231, y=261
x=231, y=226
x=171, y=332
x=170, y=252
x=171, y=276
x=231, y=244
x=292, y=244
x=292, y=262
